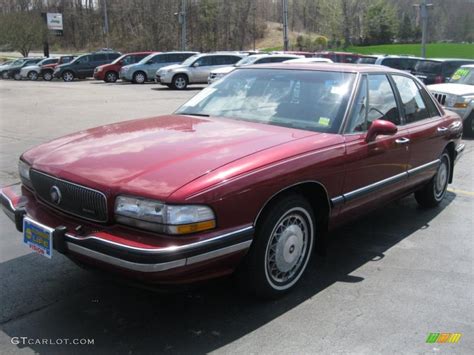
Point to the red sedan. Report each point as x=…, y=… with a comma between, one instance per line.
x=110, y=72
x=252, y=172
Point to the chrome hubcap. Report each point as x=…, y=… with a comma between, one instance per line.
x=180, y=83
x=441, y=179
x=140, y=78
x=68, y=76
x=287, y=248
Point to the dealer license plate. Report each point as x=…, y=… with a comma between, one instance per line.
x=37, y=237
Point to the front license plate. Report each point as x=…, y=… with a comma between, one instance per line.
x=38, y=237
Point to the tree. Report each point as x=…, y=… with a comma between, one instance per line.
x=406, y=31
x=381, y=23
x=22, y=31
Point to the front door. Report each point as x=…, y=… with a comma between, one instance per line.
x=375, y=170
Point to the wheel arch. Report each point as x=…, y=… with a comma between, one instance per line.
x=450, y=148
x=181, y=73
x=315, y=193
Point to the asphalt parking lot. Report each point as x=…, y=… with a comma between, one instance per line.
x=387, y=281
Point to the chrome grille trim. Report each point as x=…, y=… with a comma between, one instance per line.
x=78, y=196
x=440, y=97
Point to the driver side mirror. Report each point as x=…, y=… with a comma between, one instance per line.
x=196, y=64
x=380, y=127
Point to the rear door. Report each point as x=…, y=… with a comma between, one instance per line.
x=427, y=131
x=83, y=65
x=375, y=170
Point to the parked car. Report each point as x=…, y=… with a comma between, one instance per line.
x=436, y=70
x=47, y=70
x=83, y=66
x=251, y=59
x=458, y=95
x=32, y=71
x=401, y=62
x=13, y=70
x=308, y=60
x=249, y=174
x=110, y=72
x=5, y=66
x=195, y=69
x=145, y=69
x=298, y=53
x=339, y=57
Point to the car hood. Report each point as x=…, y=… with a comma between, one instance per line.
x=30, y=67
x=156, y=156
x=225, y=70
x=170, y=67
x=454, y=89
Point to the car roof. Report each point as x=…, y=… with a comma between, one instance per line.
x=468, y=66
x=447, y=60
x=334, y=67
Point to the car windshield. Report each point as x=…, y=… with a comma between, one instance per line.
x=247, y=60
x=147, y=58
x=18, y=62
x=308, y=100
x=463, y=76
x=190, y=60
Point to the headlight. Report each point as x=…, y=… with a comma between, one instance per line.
x=125, y=69
x=99, y=69
x=159, y=217
x=24, y=171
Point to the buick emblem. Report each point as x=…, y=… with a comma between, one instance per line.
x=55, y=195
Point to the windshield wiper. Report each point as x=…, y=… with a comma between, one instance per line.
x=193, y=114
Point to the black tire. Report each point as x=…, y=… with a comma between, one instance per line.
x=110, y=77
x=68, y=76
x=433, y=192
x=48, y=75
x=139, y=77
x=17, y=76
x=179, y=82
x=32, y=75
x=468, y=125
x=5, y=75
x=282, y=247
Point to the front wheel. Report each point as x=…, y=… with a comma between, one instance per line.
x=434, y=191
x=180, y=82
x=5, y=75
x=111, y=77
x=68, y=76
x=48, y=76
x=282, y=247
x=139, y=77
x=17, y=76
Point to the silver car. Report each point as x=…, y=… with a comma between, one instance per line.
x=146, y=68
x=32, y=71
x=195, y=70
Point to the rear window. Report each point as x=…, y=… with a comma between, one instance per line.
x=428, y=66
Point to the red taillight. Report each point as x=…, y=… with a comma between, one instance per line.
x=439, y=79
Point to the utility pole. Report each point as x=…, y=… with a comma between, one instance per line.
x=423, y=11
x=182, y=21
x=106, y=25
x=285, y=25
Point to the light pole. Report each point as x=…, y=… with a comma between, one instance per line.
x=285, y=25
x=182, y=21
x=423, y=8
x=106, y=25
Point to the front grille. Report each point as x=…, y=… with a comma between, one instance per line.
x=77, y=200
x=440, y=97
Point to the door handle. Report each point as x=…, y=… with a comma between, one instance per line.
x=442, y=129
x=402, y=140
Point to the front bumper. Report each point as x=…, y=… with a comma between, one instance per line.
x=99, y=75
x=23, y=74
x=132, y=253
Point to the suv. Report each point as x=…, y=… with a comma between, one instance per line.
x=339, y=57
x=13, y=70
x=400, y=62
x=32, y=71
x=83, y=66
x=46, y=70
x=458, y=95
x=437, y=71
x=251, y=59
x=110, y=72
x=145, y=69
x=195, y=70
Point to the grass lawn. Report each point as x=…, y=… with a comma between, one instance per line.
x=433, y=50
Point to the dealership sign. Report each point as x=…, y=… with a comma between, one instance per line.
x=54, y=22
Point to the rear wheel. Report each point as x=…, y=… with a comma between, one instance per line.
x=139, y=77
x=469, y=125
x=5, y=75
x=111, y=77
x=68, y=76
x=282, y=247
x=180, y=82
x=32, y=75
x=434, y=191
x=48, y=75
x=17, y=76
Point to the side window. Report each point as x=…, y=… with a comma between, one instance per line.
x=99, y=57
x=205, y=61
x=173, y=58
x=263, y=60
x=112, y=56
x=84, y=59
x=138, y=57
x=413, y=104
x=433, y=109
x=183, y=56
x=374, y=101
